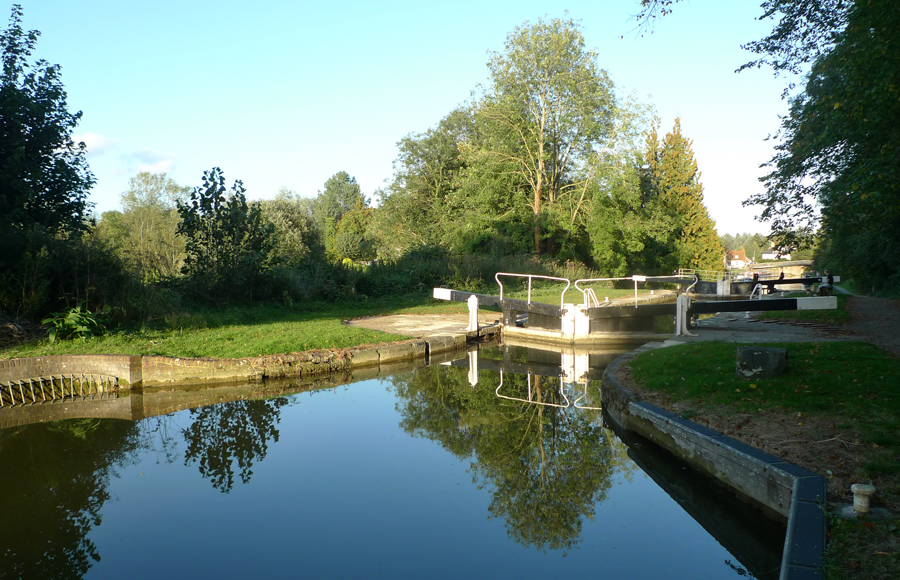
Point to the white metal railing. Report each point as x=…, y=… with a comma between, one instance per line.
x=758, y=287
x=529, y=399
x=588, y=293
x=590, y=298
x=530, y=277
x=584, y=291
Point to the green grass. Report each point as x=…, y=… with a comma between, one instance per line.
x=856, y=381
x=835, y=317
x=863, y=549
x=853, y=384
x=244, y=331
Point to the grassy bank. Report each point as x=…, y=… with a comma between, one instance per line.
x=244, y=331
x=270, y=328
x=843, y=394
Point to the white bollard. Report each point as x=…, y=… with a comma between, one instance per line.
x=473, y=313
x=682, y=304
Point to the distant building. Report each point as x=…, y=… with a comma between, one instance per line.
x=773, y=254
x=736, y=259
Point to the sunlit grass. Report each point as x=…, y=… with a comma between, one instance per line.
x=244, y=331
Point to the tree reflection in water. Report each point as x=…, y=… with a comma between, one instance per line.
x=223, y=434
x=53, y=484
x=547, y=467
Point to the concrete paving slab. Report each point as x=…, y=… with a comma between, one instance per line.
x=424, y=325
x=731, y=327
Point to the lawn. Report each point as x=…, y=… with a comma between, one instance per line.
x=233, y=332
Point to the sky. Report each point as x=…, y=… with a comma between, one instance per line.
x=288, y=93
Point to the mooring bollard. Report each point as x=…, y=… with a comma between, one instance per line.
x=861, y=493
x=473, y=313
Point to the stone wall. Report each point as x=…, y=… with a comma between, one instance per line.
x=127, y=368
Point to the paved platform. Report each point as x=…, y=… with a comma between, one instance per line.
x=731, y=327
x=424, y=325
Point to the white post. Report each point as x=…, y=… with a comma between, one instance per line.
x=473, y=368
x=473, y=313
x=682, y=304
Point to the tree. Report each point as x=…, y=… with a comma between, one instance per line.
x=672, y=178
x=228, y=244
x=415, y=210
x=44, y=175
x=547, y=107
x=341, y=195
x=837, y=163
x=296, y=238
x=145, y=232
x=351, y=239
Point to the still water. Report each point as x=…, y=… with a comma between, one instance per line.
x=414, y=475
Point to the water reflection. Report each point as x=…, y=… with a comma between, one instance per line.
x=237, y=432
x=54, y=481
x=529, y=433
x=547, y=464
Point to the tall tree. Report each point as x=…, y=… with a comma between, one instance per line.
x=841, y=150
x=673, y=179
x=341, y=195
x=44, y=176
x=296, y=237
x=546, y=108
x=415, y=210
x=228, y=244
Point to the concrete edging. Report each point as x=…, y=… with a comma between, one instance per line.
x=140, y=370
x=781, y=487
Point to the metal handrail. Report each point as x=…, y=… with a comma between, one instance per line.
x=583, y=395
x=636, y=278
x=584, y=290
x=561, y=392
x=562, y=296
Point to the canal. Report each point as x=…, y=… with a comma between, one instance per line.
x=448, y=471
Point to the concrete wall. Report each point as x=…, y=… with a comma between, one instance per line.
x=772, y=483
x=162, y=370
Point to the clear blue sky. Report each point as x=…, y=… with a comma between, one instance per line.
x=287, y=93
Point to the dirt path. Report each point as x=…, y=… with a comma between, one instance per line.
x=877, y=320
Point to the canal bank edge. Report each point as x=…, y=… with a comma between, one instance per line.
x=776, y=485
x=147, y=371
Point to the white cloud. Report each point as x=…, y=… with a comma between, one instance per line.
x=148, y=160
x=96, y=144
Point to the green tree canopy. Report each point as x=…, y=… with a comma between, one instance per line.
x=296, y=237
x=672, y=178
x=44, y=175
x=547, y=108
x=838, y=161
x=145, y=232
x=228, y=244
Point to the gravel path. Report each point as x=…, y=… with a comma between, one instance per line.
x=877, y=320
